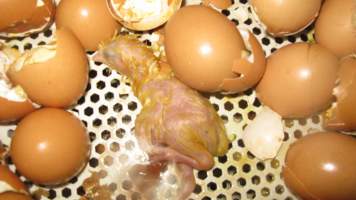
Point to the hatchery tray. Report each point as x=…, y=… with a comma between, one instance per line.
x=109, y=109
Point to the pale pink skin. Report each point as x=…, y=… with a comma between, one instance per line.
x=176, y=124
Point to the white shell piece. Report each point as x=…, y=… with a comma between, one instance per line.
x=264, y=136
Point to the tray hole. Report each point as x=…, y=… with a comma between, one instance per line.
x=251, y=194
x=241, y=182
x=256, y=180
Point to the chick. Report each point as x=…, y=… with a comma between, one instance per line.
x=176, y=124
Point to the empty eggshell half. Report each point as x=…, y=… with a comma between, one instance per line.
x=342, y=116
x=299, y=80
x=285, y=17
x=208, y=53
x=53, y=75
x=21, y=18
x=335, y=28
x=143, y=15
x=14, y=103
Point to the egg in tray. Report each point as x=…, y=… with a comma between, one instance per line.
x=164, y=99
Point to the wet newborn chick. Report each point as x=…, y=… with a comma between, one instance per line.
x=176, y=124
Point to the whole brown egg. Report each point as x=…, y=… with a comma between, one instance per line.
x=54, y=75
x=207, y=52
x=21, y=18
x=286, y=17
x=50, y=146
x=322, y=166
x=342, y=116
x=335, y=28
x=90, y=21
x=299, y=80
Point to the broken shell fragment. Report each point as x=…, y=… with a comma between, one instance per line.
x=263, y=137
x=9, y=182
x=143, y=15
x=250, y=68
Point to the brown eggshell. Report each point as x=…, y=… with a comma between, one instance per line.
x=299, y=80
x=89, y=20
x=148, y=22
x=220, y=4
x=343, y=116
x=14, y=196
x=59, y=81
x=11, y=110
x=50, y=139
x=286, y=17
x=335, y=28
x=204, y=49
x=321, y=166
x=11, y=179
x=250, y=73
x=13, y=11
x=34, y=19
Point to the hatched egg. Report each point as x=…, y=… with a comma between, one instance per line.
x=299, y=80
x=53, y=75
x=208, y=53
x=342, y=116
x=22, y=18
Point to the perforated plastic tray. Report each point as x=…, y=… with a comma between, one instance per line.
x=109, y=109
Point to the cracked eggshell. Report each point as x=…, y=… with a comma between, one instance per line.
x=299, y=80
x=335, y=28
x=143, y=15
x=53, y=139
x=322, y=166
x=89, y=20
x=286, y=17
x=9, y=182
x=264, y=135
x=207, y=52
x=60, y=75
x=10, y=109
x=21, y=18
x=342, y=116
x=14, y=196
